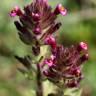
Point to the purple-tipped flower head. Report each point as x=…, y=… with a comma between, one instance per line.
x=36, y=26
x=67, y=65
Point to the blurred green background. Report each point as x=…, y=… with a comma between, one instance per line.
x=78, y=25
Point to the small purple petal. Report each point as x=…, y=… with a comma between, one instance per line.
x=12, y=14
x=37, y=30
x=82, y=46
x=60, y=10
x=16, y=12
x=36, y=16
x=49, y=62
x=50, y=40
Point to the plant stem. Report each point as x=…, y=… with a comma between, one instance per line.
x=39, y=91
x=61, y=93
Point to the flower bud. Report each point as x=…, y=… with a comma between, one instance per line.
x=36, y=16
x=82, y=46
x=16, y=12
x=60, y=10
x=37, y=30
x=50, y=40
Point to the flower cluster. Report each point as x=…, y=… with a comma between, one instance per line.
x=37, y=25
x=65, y=64
x=37, y=22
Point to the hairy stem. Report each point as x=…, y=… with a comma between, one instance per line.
x=39, y=91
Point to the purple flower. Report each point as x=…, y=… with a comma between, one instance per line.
x=37, y=19
x=49, y=62
x=36, y=26
x=82, y=46
x=67, y=65
x=16, y=12
x=60, y=10
x=37, y=30
x=36, y=16
x=50, y=40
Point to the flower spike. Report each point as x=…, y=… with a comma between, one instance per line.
x=37, y=26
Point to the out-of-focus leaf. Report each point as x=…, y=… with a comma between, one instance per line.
x=73, y=92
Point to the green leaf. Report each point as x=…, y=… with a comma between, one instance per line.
x=73, y=92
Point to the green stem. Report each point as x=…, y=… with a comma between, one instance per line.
x=61, y=93
x=39, y=91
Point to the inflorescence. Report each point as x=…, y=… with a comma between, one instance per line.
x=37, y=25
